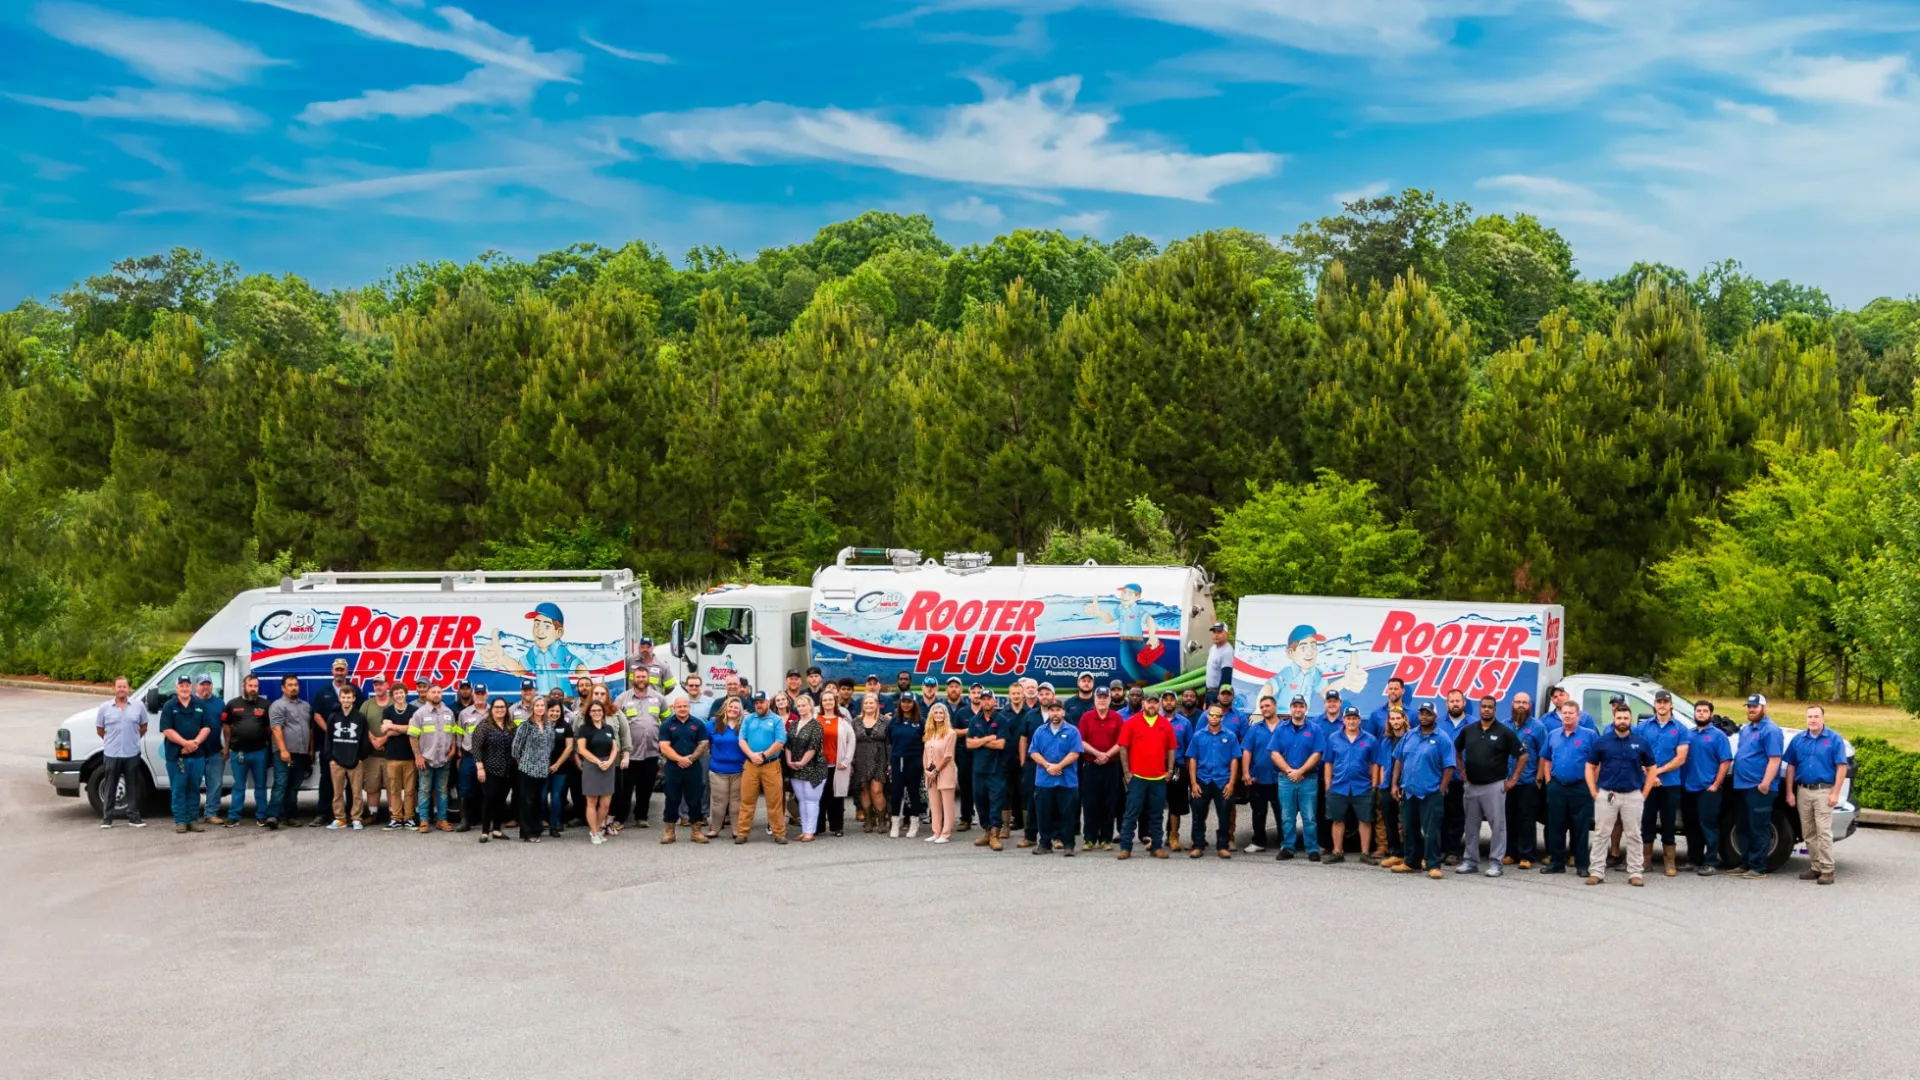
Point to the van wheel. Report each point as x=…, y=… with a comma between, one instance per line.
x=133, y=791
x=1779, y=840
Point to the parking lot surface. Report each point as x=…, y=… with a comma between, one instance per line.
x=141, y=953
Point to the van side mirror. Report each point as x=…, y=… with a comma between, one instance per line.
x=679, y=642
x=153, y=700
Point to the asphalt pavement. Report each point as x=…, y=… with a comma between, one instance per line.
x=141, y=953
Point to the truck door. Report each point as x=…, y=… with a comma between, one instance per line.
x=218, y=668
x=725, y=643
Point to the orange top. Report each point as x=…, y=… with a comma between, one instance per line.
x=830, y=729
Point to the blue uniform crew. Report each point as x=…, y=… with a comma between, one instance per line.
x=1297, y=742
x=1213, y=763
x=1569, y=803
x=1620, y=768
x=1390, y=847
x=1709, y=757
x=990, y=726
x=1668, y=740
x=1056, y=744
x=1348, y=776
x=182, y=719
x=1756, y=768
x=1523, y=802
x=1262, y=775
x=1816, y=764
x=1423, y=770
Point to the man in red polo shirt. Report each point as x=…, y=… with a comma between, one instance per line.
x=1147, y=743
x=1100, y=781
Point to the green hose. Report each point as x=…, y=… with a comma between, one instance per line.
x=1189, y=680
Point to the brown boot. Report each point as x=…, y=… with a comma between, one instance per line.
x=1670, y=859
x=694, y=834
x=995, y=845
x=667, y=834
x=988, y=837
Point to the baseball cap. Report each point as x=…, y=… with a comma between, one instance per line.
x=183, y=681
x=929, y=681
x=759, y=696
x=1116, y=684
x=977, y=688
x=1426, y=706
x=814, y=670
x=1085, y=675
x=1756, y=701
x=1046, y=686
x=871, y=677
x=1299, y=699
x=793, y=673
x=1351, y=711
x=1303, y=632
x=646, y=641
x=1333, y=695
x=527, y=684
x=953, y=680
x=1102, y=692
x=464, y=684
x=549, y=611
x=1217, y=627
x=1663, y=695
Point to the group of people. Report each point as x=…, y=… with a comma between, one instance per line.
x=1102, y=768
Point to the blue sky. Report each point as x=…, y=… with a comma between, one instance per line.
x=339, y=138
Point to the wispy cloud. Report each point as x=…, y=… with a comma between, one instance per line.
x=45, y=168
x=141, y=148
x=973, y=210
x=628, y=54
x=481, y=86
x=1365, y=191
x=1038, y=139
x=1090, y=221
x=1345, y=26
x=383, y=187
x=461, y=35
x=1839, y=81
x=166, y=51
x=156, y=106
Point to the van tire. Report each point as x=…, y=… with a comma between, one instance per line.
x=1781, y=839
x=141, y=787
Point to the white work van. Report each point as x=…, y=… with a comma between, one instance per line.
x=958, y=616
x=491, y=628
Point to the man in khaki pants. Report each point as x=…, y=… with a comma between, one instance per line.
x=1620, y=772
x=764, y=735
x=1816, y=763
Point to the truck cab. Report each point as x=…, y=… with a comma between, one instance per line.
x=758, y=632
x=77, y=757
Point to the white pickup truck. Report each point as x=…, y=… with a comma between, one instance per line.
x=1595, y=693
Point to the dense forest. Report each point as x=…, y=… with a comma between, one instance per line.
x=1713, y=473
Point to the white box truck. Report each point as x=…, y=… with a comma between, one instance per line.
x=1287, y=645
x=486, y=627
x=959, y=616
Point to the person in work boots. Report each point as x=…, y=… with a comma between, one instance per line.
x=991, y=739
x=1670, y=741
x=684, y=742
x=433, y=731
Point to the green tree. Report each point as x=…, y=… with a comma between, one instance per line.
x=1382, y=238
x=1066, y=272
x=1326, y=537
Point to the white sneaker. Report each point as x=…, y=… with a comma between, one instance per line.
x=931, y=840
x=356, y=826
x=939, y=839
x=1494, y=870
x=598, y=839
x=1467, y=868
x=1254, y=849
x=137, y=824
x=106, y=824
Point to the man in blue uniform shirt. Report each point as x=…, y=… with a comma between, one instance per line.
x=1523, y=799
x=1756, y=765
x=1563, y=764
x=1213, y=765
x=185, y=727
x=1054, y=750
x=1816, y=763
x=1262, y=775
x=1423, y=767
x=992, y=739
x=1295, y=749
x=1709, y=759
x=1349, y=776
x=1619, y=775
x=1669, y=740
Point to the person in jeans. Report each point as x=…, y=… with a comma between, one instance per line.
x=1709, y=757
x=472, y=714
x=1423, y=768
x=1491, y=755
x=563, y=729
x=537, y=747
x=725, y=760
x=1213, y=767
x=991, y=738
x=806, y=760
x=685, y=742
x=1620, y=772
x=1262, y=775
x=432, y=732
x=120, y=724
x=213, y=753
x=1054, y=750
x=1816, y=762
x=290, y=722
x=763, y=740
x=906, y=734
x=1146, y=748
x=350, y=750
x=1756, y=766
x=1389, y=840
x=1563, y=768
x=184, y=727
x=1296, y=752
x=249, y=737
x=1350, y=775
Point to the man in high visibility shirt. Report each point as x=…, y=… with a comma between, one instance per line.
x=433, y=729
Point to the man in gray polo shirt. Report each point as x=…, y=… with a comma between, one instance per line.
x=121, y=724
x=290, y=720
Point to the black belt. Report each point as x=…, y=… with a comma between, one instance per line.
x=1816, y=787
x=1620, y=790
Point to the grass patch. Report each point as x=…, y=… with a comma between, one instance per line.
x=1854, y=720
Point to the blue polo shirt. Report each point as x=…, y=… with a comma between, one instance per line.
x=188, y=720
x=763, y=732
x=1620, y=758
x=1182, y=731
x=1258, y=743
x=1352, y=763
x=685, y=736
x=1385, y=750
x=1707, y=747
x=1376, y=724
x=1234, y=720
x=1533, y=736
x=1758, y=742
x=1296, y=744
x=1567, y=754
x=1000, y=725
x=1816, y=759
x=1213, y=754
x=1053, y=748
x=1424, y=757
x=1665, y=740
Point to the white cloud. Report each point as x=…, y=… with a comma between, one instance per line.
x=1365, y=191
x=1334, y=26
x=338, y=193
x=628, y=54
x=463, y=35
x=165, y=51
x=1537, y=187
x=1090, y=221
x=481, y=86
x=1038, y=139
x=1759, y=114
x=157, y=106
x=1836, y=80
x=45, y=168
x=141, y=148
x=973, y=210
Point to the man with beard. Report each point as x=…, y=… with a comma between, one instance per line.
x=1523, y=799
x=1455, y=824
x=1619, y=775
x=1423, y=769
x=1488, y=753
x=1082, y=699
x=1669, y=741
x=1100, y=779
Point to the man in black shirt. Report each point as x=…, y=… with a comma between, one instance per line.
x=1491, y=757
x=349, y=747
x=249, y=736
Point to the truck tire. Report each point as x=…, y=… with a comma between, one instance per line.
x=140, y=787
x=1780, y=838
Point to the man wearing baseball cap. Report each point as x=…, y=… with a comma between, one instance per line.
x=1219, y=660
x=1423, y=767
x=1669, y=739
x=1082, y=698
x=1756, y=765
x=1100, y=778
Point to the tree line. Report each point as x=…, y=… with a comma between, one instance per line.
x=1713, y=473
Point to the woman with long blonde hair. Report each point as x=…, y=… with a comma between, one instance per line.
x=943, y=776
